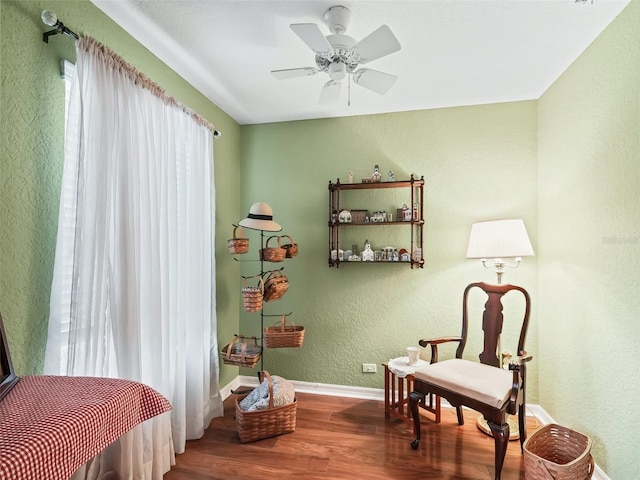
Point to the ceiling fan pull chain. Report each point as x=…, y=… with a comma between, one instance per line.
x=349, y=93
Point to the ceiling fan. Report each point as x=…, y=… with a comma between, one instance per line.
x=339, y=55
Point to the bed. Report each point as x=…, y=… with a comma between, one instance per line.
x=51, y=426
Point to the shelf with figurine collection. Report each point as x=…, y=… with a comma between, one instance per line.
x=268, y=285
x=398, y=218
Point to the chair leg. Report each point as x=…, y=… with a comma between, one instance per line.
x=414, y=399
x=460, y=416
x=522, y=424
x=501, y=438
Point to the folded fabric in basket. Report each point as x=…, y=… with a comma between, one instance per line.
x=250, y=350
x=258, y=398
x=400, y=366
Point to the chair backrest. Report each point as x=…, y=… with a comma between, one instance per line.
x=492, y=320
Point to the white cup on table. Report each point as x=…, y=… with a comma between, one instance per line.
x=414, y=355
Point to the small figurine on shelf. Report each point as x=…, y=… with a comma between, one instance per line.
x=367, y=253
x=391, y=177
x=345, y=216
x=377, y=217
x=350, y=176
x=406, y=213
x=375, y=176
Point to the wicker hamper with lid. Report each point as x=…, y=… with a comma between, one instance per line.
x=555, y=452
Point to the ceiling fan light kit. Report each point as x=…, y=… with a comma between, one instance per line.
x=337, y=19
x=339, y=55
x=337, y=71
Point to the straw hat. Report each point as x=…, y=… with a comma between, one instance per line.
x=260, y=218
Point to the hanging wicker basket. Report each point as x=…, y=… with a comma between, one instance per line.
x=273, y=254
x=291, y=248
x=238, y=244
x=555, y=452
x=266, y=423
x=252, y=296
x=242, y=351
x=283, y=334
x=275, y=285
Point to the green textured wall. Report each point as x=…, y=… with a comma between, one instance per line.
x=589, y=238
x=32, y=109
x=478, y=163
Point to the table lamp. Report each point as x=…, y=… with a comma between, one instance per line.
x=497, y=240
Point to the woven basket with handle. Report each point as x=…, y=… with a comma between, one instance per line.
x=252, y=296
x=275, y=285
x=271, y=253
x=555, y=452
x=291, y=248
x=242, y=351
x=283, y=334
x=265, y=423
x=238, y=244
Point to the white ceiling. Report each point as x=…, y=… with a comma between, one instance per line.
x=454, y=52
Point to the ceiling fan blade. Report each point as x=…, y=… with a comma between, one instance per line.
x=294, y=72
x=377, y=44
x=313, y=37
x=330, y=93
x=379, y=82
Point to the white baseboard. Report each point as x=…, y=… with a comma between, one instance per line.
x=316, y=388
x=376, y=394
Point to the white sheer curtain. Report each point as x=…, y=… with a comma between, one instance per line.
x=133, y=292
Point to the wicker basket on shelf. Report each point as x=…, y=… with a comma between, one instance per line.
x=242, y=351
x=266, y=423
x=238, y=244
x=283, y=334
x=275, y=285
x=290, y=248
x=252, y=296
x=271, y=253
x=555, y=452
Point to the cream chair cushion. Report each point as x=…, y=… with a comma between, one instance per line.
x=487, y=384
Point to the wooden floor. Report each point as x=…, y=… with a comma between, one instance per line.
x=345, y=438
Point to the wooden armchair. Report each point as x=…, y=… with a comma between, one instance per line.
x=482, y=386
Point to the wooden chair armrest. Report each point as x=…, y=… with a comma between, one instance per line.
x=520, y=360
x=438, y=341
x=434, y=342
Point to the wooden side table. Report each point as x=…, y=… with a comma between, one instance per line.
x=396, y=398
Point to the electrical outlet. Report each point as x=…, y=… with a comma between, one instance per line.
x=369, y=368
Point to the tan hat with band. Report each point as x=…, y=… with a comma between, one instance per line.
x=260, y=218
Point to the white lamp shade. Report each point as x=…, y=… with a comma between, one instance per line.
x=499, y=239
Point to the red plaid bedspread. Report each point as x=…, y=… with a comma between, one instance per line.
x=50, y=426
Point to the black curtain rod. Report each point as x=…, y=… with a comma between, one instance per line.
x=51, y=19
